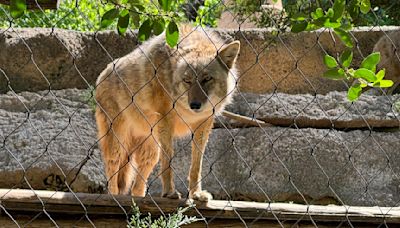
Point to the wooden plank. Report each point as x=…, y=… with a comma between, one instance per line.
x=97, y=204
x=31, y=4
x=120, y=222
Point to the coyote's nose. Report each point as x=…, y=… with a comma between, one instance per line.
x=195, y=105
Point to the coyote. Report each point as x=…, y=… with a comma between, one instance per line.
x=156, y=94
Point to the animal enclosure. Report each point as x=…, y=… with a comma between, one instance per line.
x=291, y=150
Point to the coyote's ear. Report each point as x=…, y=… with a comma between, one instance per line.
x=229, y=52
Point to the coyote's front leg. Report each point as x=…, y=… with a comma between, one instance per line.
x=198, y=146
x=165, y=140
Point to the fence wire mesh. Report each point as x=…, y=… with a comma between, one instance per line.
x=289, y=136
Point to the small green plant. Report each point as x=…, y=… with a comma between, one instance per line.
x=339, y=18
x=174, y=220
x=364, y=76
x=88, y=97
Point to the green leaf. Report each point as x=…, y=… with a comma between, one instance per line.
x=380, y=75
x=135, y=19
x=123, y=13
x=365, y=6
x=319, y=12
x=299, y=26
x=346, y=57
x=311, y=27
x=354, y=92
x=330, y=62
x=330, y=13
x=353, y=8
x=371, y=61
x=338, y=8
x=145, y=30
x=335, y=74
x=344, y=36
x=172, y=34
x=17, y=8
x=123, y=22
x=165, y=4
x=365, y=74
x=299, y=16
x=321, y=21
x=139, y=8
x=384, y=84
x=109, y=17
x=330, y=24
x=158, y=26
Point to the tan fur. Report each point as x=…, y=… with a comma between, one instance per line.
x=389, y=47
x=155, y=94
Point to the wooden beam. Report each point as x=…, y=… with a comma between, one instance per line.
x=17, y=200
x=32, y=4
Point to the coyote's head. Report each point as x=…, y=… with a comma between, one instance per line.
x=205, y=81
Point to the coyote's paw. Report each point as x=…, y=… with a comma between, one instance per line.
x=172, y=195
x=202, y=196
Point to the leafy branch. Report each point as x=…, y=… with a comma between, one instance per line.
x=364, y=76
x=339, y=18
x=156, y=19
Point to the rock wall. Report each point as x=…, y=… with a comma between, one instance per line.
x=36, y=59
x=321, y=149
x=49, y=139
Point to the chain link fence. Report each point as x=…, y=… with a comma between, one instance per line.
x=289, y=135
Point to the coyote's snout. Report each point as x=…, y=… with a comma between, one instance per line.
x=155, y=94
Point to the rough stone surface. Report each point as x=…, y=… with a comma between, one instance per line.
x=35, y=59
x=45, y=137
x=30, y=59
x=279, y=164
x=332, y=110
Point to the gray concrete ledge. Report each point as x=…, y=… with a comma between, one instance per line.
x=46, y=145
x=332, y=110
x=36, y=59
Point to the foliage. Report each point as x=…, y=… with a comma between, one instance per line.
x=209, y=13
x=384, y=12
x=149, y=16
x=82, y=15
x=253, y=11
x=339, y=18
x=177, y=219
x=365, y=76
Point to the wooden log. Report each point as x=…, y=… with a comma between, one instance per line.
x=32, y=4
x=18, y=200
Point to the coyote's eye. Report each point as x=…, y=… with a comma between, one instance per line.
x=206, y=79
x=187, y=81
